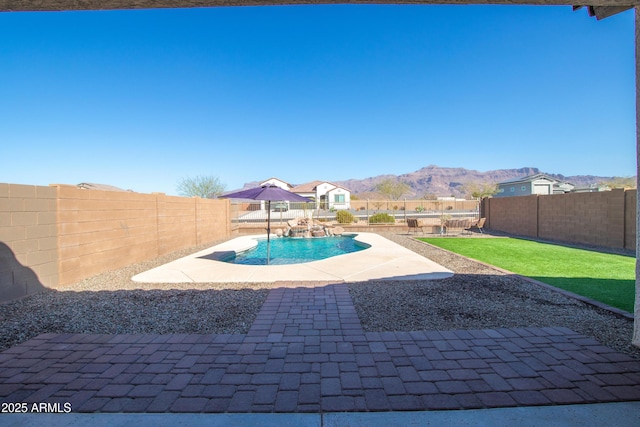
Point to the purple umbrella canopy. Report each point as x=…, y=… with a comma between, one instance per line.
x=267, y=192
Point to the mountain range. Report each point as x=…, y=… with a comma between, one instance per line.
x=441, y=181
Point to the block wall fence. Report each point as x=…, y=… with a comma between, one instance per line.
x=58, y=235
x=605, y=218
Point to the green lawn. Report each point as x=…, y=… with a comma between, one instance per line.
x=603, y=277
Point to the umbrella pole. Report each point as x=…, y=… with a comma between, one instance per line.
x=268, y=229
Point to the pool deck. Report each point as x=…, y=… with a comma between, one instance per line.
x=384, y=260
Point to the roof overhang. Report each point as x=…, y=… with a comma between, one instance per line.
x=599, y=8
x=601, y=12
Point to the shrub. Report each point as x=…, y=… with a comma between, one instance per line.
x=381, y=218
x=344, y=217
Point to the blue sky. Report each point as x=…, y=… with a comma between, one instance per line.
x=141, y=99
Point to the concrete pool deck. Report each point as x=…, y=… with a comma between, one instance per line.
x=384, y=260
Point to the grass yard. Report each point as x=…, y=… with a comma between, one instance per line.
x=607, y=278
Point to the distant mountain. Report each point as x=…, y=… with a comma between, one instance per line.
x=441, y=181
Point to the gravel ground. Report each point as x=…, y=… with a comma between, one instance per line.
x=111, y=303
x=477, y=297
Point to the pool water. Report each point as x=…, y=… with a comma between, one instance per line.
x=286, y=250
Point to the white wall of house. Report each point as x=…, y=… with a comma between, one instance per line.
x=542, y=187
x=339, y=198
x=525, y=188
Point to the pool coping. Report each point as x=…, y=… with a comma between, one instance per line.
x=383, y=260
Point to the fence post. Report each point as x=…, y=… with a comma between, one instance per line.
x=368, y=223
x=405, y=210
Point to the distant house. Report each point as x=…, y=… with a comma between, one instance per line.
x=326, y=195
x=532, y=184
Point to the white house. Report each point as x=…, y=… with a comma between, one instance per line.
x=532, y=184
x=326, y=195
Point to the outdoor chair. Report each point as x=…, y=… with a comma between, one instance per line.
x=478, y=225
x=456, y=225
x=414, y=225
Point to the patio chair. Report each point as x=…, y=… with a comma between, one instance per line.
x=414, y=225
x=455, y=226
x=478, y=225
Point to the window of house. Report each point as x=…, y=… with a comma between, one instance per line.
x=512, y=189
x=338, y=198
x=523, y=188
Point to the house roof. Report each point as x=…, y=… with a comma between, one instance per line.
x=102, y=187
x=529, y=178
x=310, y=187
x=273, y=177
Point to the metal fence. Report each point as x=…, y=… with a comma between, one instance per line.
x=363, y=211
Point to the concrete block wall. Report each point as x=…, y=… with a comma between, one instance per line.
x=59, y=235
x=185, y=222
x=588, y=218
x=514, y=215
x=630, y=226
x=104, y=230
x=601, y=219
x=176, y=223
x=213, y=220
x=28, y=240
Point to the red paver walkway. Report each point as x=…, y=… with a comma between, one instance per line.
x=307, y=352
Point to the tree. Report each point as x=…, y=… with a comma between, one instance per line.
x=207, y=187
x=479, y=191
x=392, y=189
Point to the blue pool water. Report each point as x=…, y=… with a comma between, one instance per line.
x=287, y=250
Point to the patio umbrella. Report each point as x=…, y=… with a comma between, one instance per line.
x=268, y=193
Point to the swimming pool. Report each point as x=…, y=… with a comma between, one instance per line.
x=383, y=260
x=287, y=250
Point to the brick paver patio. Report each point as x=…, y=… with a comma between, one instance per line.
x=307, y=352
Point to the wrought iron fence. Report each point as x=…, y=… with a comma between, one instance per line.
x=363, y=211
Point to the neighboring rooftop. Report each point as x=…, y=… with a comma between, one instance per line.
x=101, y=187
